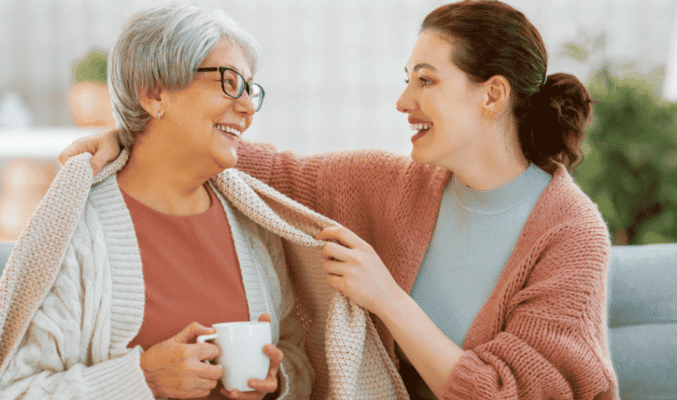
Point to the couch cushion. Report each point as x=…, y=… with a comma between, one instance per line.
x=644, y=359
x=643, y=284
x=643, y=320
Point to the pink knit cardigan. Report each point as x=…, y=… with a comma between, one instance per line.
x=542, y=332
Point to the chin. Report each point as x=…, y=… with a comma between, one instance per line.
x=227, y=159
x=419, y=156
x=228, y=165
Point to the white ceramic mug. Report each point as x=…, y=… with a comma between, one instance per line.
x=241, y=352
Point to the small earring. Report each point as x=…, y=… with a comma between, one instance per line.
x=159, y=115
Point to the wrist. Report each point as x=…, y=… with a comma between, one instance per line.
x=390, y=304
x=148, y=374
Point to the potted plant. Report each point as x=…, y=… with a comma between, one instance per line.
x=89, y=98
x=630, y=164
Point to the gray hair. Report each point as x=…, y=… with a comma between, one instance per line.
x=161, y=47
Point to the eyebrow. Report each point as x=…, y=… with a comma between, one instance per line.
x=421, y=66
x=231, y=66
x=250, y=80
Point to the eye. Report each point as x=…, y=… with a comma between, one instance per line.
x=425, y=81
x=229, y=83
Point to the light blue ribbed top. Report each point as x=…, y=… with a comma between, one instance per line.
x=474, y=236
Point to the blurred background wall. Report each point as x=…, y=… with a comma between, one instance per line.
x=332, y=71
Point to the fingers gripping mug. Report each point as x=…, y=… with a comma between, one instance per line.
x=241, y=352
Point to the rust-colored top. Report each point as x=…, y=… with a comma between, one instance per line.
x=190, y=269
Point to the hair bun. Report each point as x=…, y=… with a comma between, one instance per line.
x=554, y=125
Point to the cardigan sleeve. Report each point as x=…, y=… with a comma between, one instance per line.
x=63, y=354
x=553, y=341
x=293, y=175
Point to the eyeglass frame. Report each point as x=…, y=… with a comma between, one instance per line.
x=244, y=88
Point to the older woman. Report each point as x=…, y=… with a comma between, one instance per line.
x=158, y=255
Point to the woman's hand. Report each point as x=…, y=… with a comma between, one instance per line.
x=175, y=368
x=104, y=146
x=261, y=387
x=357, y=271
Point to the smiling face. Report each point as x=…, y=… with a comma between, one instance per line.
x=443, y=104
x=201, y=122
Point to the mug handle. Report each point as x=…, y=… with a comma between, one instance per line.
x=204, y=338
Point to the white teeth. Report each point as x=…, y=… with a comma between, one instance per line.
x=420, y=127
x=228, y=129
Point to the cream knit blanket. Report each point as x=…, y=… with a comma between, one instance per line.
x=342, y=344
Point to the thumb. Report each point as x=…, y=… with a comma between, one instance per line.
x=73, y=149
x=99, y=158
x=64, y=156
x=191, y=332
x=265, y=317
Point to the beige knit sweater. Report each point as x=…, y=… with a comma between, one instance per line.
x=342, y=344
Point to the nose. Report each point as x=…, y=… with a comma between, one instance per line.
x=405, y=103
x=244, y=105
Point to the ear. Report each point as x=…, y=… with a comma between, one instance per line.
x=496, y=95
x=152, y=100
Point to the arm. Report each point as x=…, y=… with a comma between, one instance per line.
x=339, y=185
x=552, y=340
x=554, y=323
x=104, y=146
x=297, y=177
x=291, y=174
x=64, y=353
x=349, y=270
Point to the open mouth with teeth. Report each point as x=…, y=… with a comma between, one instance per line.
x=228, y=130
x=420, y=127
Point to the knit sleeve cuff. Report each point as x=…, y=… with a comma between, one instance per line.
x=465, y=382
x=118, y=378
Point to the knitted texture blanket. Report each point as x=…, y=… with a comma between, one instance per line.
x=341, y=341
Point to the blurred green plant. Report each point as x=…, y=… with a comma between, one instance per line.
x=93, y=67
x=630, y=165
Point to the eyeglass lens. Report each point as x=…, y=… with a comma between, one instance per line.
x=234, y=85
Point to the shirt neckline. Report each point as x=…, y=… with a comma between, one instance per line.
x=502, y=198
x=139, y=205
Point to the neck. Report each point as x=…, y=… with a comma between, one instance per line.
x=491, y=163
x=163, y=179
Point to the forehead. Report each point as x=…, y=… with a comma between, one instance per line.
x=430, y=50
x=228, y=54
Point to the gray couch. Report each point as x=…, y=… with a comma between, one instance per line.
x=642, y=310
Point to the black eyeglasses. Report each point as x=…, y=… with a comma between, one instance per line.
x=234, y=84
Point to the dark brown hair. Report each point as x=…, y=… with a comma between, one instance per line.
x=491, y=38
